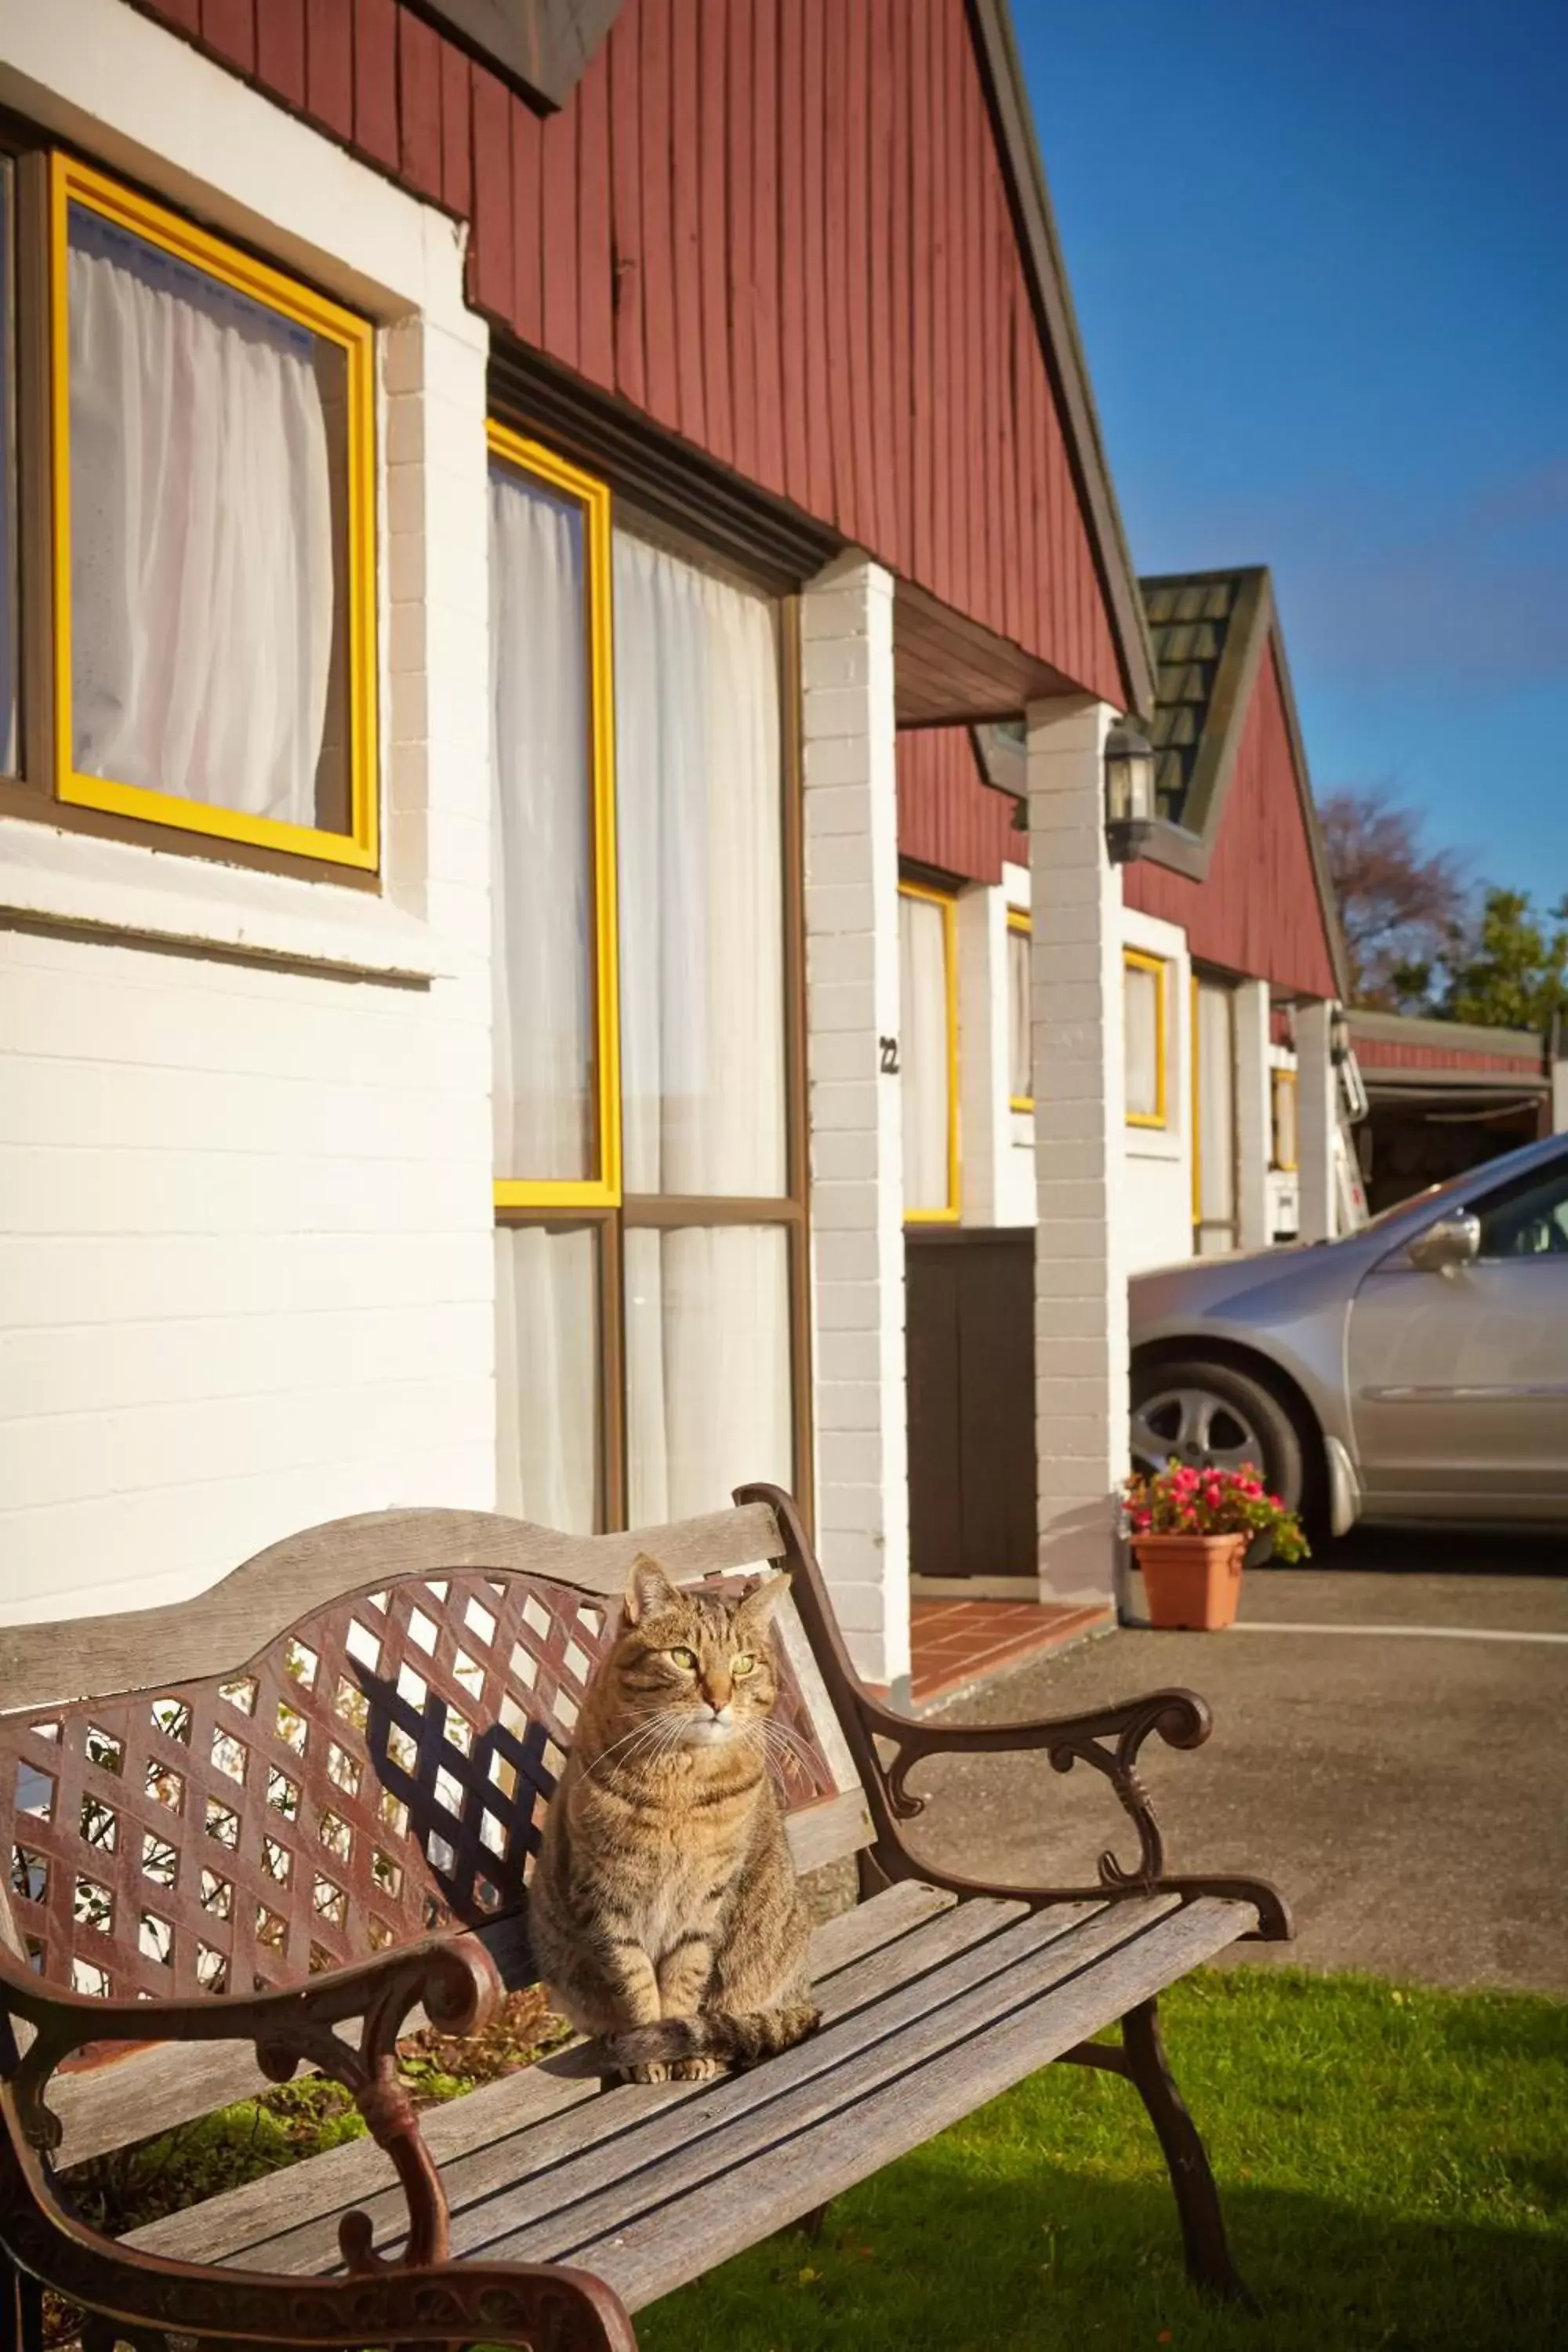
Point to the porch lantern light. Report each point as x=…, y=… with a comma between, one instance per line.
x=1128, y=792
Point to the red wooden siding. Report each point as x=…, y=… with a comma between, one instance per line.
x=947, y=816
x=1258, y=912
x=1382, y=1054
x=778, y=227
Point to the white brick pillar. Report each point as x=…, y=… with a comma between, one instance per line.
x=984, y=1118
x=1080, y=1272
x=857, y=1145
x=1316, y=1117
x=1254, y=1115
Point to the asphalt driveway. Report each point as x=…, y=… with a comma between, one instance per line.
x=1389, y=1746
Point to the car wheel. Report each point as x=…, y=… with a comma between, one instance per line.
x=1205, y=1413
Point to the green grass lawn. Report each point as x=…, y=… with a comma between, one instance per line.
x=1393, y=2165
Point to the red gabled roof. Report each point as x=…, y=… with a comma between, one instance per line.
x=1237, y=859
x=810, y=237
x=1258, y=910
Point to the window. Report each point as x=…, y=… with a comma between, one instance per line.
x=1214, y=1120
x=553, y=813
x=1020, y=1051
x=1143, y=1036
x=1527, y=1218
x=1282, y=1088
x=928, y=1052
x=211, y=657
x=649, y=1080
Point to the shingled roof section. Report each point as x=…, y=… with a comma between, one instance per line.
x=1217, y=643
x=1192, y=624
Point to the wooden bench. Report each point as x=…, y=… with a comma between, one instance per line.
x=282, y=1823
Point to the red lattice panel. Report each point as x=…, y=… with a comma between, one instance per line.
x=378, y=1774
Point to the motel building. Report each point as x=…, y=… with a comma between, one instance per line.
x=527, y=621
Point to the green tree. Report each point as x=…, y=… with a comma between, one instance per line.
x=1511, y=971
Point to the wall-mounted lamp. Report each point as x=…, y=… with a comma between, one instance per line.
x=1130, y=809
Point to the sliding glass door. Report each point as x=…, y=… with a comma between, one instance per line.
x=651, y=1342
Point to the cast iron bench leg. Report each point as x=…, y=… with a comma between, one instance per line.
x=1209, y=2263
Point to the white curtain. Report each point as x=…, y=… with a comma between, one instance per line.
x=1141, y=1035
x=923, y=1052
x=202, y=571
x=1020, y=1042
x=707, y=1367
x=541, y=905
x=1217, y=1118
x=547, y=1376
x=701, y=879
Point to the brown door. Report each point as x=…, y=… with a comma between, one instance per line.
x=969, y=1352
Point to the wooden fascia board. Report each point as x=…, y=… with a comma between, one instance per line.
x=1057, y=324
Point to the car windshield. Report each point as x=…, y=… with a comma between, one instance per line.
x=1402, y=1208
x=1463, y=1191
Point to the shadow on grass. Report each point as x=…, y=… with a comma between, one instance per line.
x=931, y=2255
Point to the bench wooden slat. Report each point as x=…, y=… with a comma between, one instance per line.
x=220, y=1630
x=648, y=2252
x=670, y=2156
x=503, y=2170
x=234, y=2226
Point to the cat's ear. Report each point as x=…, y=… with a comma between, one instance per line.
x=649, y=1591
x=760, y=1599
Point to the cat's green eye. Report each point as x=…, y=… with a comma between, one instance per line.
x=685, y=1658
x=744, y=1665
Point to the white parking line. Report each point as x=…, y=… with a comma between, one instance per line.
x=1411, y=1633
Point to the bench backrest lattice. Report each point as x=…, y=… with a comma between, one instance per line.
x=375, y=1771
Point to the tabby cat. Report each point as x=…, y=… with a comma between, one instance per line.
x=664, y=1910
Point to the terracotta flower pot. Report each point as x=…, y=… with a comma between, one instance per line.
x=1193, y=1582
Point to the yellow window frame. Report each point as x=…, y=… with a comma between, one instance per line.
x=1278, y=1079
x=603, y=1190
x=1020, y=924
x=947, y=901
x=71, y=182
x=1135, y=960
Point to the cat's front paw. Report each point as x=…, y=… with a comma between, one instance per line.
x=653, y=2070
x=696, y=2069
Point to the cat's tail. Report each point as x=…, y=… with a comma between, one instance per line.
x=738, y=2040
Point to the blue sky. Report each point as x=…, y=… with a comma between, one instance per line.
x=1319, y=256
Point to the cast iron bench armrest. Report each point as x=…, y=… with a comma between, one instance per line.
x=1110, y=1740
x=525, y=2305
x=452, y=1977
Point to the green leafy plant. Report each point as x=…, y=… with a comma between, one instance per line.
x=1182, y=1501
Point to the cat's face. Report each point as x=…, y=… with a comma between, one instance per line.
x=697, y=1666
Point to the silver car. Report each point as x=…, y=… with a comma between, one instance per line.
x=1417, y=1369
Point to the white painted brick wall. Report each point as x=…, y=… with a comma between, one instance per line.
x=1081, y=1276
x=245, y=1255
x=856, y=1163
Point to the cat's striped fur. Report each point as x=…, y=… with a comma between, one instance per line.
x=664, y=1912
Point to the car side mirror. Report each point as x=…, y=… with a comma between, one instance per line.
x=1452, y=1242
